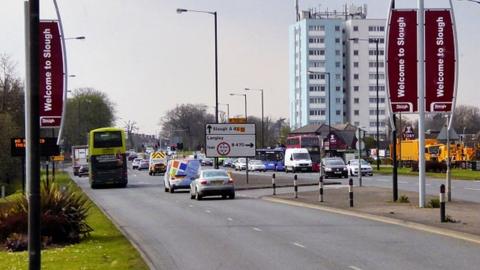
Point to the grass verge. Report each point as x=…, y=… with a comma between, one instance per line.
x=463, y=174
x=106, y=248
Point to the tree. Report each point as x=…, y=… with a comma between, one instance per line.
x=88, y=109
x=131, y=127
x=186, y=124
x=12, y=118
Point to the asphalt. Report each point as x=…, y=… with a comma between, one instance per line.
x=174, y=232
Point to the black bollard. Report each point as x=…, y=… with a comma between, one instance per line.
x=295, y=186
x=442, y=204
x=273, y=184
x=320, y=186
x=350, y=191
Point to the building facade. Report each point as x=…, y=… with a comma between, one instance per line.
x=333, y=69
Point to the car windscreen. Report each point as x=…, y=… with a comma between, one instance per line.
x=107, y=139
x=212, y=174
x=334, y=162
x=301, y=156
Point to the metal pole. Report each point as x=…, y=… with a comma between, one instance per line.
x=449, y=175
x=216, y=80
x=359, y=157
x=350, y=191
x=273, y=184
x=65, y=74
x=400, y=146
x=378, y=133
x=442, y=203
x=246, y=119
x=320, y=184
x=33, y=135
x=421, y=103
x=295, y=186
x=263, y=138
x=395, y=164
x=329, y=115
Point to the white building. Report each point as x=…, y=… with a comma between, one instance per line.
x=339, y=46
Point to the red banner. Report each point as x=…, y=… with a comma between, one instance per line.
x=51, y=75
x=402, y=60
x=439, y=61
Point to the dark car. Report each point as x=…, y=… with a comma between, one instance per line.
x=334, y=167
x=83, y=170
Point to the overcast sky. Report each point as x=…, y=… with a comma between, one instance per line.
x=148, y=58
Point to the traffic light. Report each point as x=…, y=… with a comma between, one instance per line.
x=180, y=146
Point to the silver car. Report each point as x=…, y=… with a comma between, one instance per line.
x=240, y=164
x=256, y=165
x=212, y=182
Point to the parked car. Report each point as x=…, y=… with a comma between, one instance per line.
x=212, y=182
x=228, y=162
x=207, y=162
x=297, y=159
x=136, y=163
x=334, y=167
x=240, y=164
x=144, y=164
x=256, y=165
x=132, y=156
x=352, y=167
x=83, y=170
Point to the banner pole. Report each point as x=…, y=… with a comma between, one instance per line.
x=421, y=102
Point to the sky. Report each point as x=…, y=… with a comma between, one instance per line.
x=148, y=59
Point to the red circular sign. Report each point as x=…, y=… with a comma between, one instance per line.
x=223, y=148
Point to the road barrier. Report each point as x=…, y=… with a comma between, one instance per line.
x=320, y=187
x=273, y=184
x=295, y=186
x=442, y=204
x=350, y=191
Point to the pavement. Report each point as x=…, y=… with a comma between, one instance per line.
x=370, y=202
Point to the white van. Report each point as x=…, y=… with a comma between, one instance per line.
x=297, y=159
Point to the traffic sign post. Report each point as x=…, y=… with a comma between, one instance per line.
x=230, y=140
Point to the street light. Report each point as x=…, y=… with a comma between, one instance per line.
x=214, y=13
x=474, y=1
x=245, y=96
x=79, y=37
x=261, y=90
x=376, y=40
x=329, y=106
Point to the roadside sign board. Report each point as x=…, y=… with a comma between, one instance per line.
x=48, y=147
x=401, y=62
x=230, y=140
x=440, y=57
x=51, y=75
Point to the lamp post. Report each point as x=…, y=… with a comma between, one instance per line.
x=214, y=13
x=329, y=106
x=473, y=1
x=260, y=90
x=376, y=41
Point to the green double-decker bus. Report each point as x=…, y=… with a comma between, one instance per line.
x=108, y=160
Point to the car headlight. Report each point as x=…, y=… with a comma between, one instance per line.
x=345, y=169
x=328, y=169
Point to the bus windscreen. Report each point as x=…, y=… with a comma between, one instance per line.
x=107, y=139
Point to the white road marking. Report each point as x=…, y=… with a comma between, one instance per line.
x=476, y=189
x=257, y=229
x=190, y=205
x=230, y=219
x=382, y=180
x=403, y=182
x=208, y=211
x=298, y=245
x=354, y=267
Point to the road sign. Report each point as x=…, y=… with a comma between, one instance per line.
x=230, y=140
x=158, y=155
x=401, y=61
x=48, y=147
x=240, y=120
